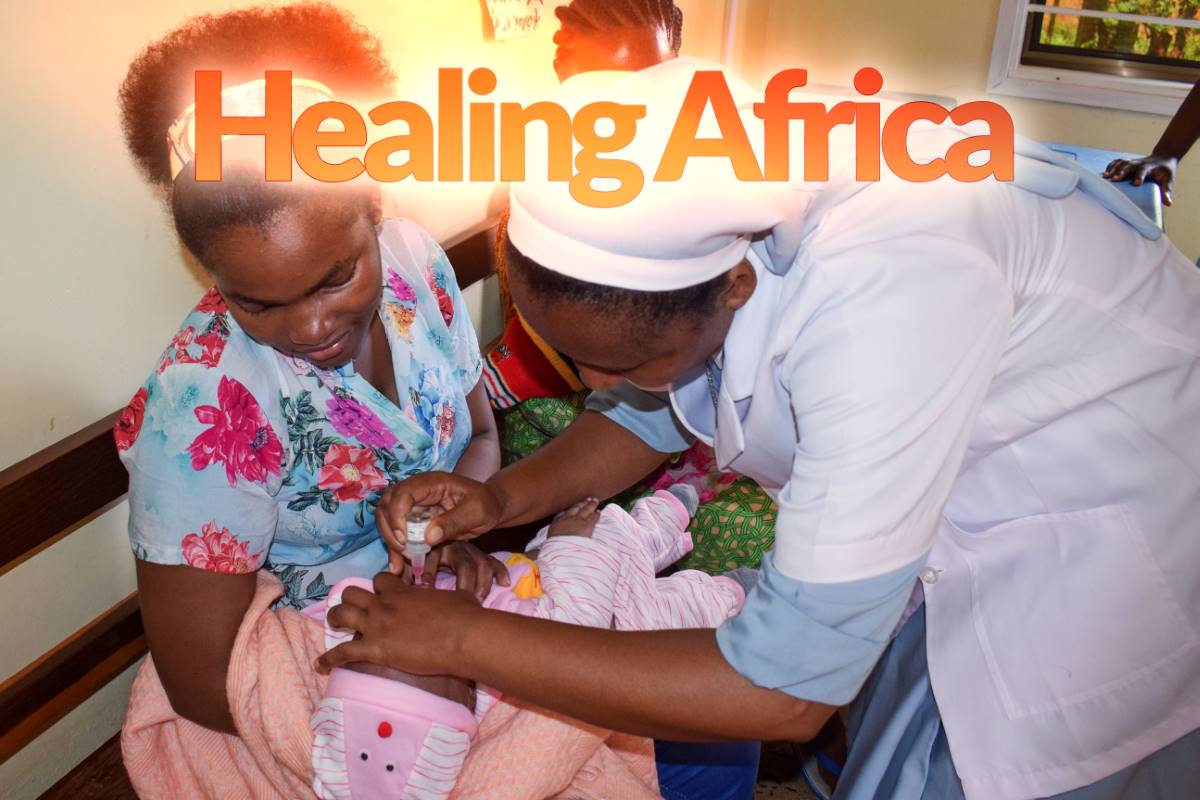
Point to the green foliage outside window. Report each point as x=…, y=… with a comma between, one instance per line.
x=1136, y=40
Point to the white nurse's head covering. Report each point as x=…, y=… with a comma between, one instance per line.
x=673, y=234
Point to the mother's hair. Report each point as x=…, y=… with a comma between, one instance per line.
x=314, y=40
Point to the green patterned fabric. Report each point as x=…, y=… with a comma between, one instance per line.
x=735, y=523
x=734, y=529
x=531, y=423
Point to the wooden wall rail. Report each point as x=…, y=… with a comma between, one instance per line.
x=56, y=491
x=51, y=687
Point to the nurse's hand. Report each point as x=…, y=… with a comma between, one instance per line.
x=467, y=507
x=1156, y=169
x=406, y=628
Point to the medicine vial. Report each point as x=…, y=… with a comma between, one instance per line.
x=415, y=545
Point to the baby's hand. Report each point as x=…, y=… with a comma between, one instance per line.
x=578, y=520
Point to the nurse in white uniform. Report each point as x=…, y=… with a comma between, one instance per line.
x=978, y=409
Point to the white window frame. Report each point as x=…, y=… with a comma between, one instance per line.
x=1008, y=76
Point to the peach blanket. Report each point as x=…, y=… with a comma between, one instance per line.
x=520, y=752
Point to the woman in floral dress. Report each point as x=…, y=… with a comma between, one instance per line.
x=332, y=358
x=270, y=460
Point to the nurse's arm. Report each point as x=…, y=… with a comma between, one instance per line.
x=621, y=437
x=593, y=457
x=805, y=649
x=624, y=434
x=665, y=684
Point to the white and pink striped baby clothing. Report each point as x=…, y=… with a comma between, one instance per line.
x=609, y=580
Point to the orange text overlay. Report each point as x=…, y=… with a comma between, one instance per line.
x=876, y=139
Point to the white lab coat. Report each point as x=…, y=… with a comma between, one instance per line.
x=1013, y=383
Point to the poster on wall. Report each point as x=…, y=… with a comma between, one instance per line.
x=514, y=19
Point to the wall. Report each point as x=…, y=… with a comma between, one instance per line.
x=95, y=282
x=935, y=47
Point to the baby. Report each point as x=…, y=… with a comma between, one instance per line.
x=376, y=737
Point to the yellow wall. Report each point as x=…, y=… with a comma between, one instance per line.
x=942, y=48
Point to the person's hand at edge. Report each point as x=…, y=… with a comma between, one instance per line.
x=1157, y=169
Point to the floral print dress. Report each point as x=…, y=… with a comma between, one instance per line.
x=240, y=457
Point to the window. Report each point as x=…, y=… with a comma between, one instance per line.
x=1138, y=55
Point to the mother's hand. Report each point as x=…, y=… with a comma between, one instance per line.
x=474, y=570
x=468, y=509
x=410, y=629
